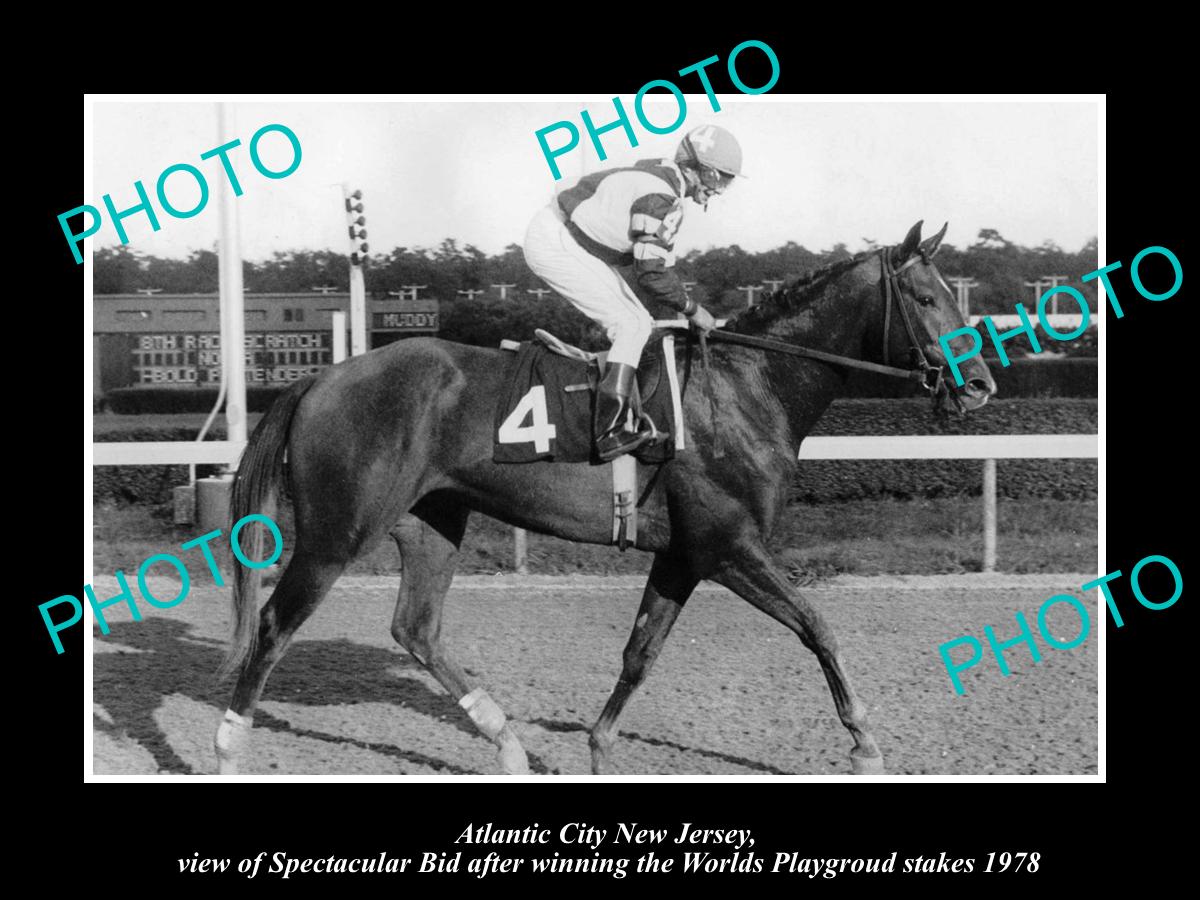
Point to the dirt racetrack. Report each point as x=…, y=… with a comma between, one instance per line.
x=733, y=693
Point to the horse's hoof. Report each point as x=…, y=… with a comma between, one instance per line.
x=867, y=765
x=601, y=746
x=227, y=763
x=229, y=741
x=512, y=756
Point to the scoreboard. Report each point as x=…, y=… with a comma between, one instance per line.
x=195, y=358
x=162, y=340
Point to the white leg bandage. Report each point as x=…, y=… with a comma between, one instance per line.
x=232, y=734
x=487, y=716
x=489, y=719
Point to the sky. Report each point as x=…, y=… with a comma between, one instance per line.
x=818, y=173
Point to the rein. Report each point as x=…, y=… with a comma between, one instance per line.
x=922, y=372
x=749, y=340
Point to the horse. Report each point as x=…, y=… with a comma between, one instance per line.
x=399, y=442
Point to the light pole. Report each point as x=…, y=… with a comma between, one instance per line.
x=410, y=289
x=749, y=289
x=1036, y=286
x=1051, y=282
x=503, y=290
x=962, y=289
x=232, y=300
x=358, y=255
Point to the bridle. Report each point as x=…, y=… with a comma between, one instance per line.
x=929, y=375
x=922, y=371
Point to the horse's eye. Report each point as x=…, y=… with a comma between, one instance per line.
x=925, y=300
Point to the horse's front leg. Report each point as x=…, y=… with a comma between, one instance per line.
x=753, y=576
x=670, y=585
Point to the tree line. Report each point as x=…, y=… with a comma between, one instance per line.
x=1000, y=267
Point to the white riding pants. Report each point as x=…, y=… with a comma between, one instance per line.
x=593, y=286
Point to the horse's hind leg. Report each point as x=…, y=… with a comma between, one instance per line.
x=429, y=542
x=668, y=589
x=755, y=578
x=300, y=590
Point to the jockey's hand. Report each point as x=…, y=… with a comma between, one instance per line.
x=702, y=320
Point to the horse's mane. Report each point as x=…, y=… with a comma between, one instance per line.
x=792, y=295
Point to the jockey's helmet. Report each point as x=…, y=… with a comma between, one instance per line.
x=714, y=155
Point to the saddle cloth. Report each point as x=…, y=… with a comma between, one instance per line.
x=548, y=409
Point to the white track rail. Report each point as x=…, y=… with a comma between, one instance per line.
x=987, y=447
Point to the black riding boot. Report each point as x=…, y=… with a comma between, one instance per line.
x=613, y=406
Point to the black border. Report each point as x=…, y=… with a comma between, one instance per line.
x=1148, y=402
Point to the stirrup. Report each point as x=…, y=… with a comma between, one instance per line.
x=627, y=442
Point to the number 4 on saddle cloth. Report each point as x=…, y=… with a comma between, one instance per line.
x=548, y=409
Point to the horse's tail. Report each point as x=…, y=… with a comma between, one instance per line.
x=258, y=477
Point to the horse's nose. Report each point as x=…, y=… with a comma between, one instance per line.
x=976, y=392
x=981, y=386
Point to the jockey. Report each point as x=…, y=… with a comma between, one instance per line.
x=624, y=216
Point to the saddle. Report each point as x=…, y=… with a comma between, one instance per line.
x=548, y=410
x=649, y=369
x=548, y=413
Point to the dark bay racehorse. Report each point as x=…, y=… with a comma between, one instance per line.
x=399, y=441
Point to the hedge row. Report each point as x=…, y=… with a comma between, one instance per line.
x=822, y=481
x=1061, y=415
x=817, y=481
x=147, y=484
x=829, y=480
x=140, y=400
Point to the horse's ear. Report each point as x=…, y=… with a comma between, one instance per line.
x=930, y=245
x=912, y=241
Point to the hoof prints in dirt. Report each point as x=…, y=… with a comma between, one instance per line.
x=732, y=692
